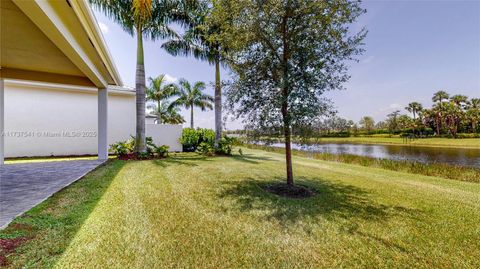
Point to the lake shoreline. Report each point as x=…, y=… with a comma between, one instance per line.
x=434, y=142
x=444, y=170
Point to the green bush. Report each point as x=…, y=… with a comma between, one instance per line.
x=125, y=148
x=162, y=151
x=205, y=149
x=226, y=145
x=192, y=138
x=202, y=141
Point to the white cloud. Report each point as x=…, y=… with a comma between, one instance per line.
x=103, y=27
x=170, y=79
x=368, y=59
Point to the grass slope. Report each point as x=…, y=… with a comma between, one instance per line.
x=196, y=212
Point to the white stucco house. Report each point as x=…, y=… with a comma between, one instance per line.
x=60, y=91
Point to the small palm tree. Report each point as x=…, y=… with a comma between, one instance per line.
x=145, y=19
x=190, y=97
x=160, y=91
x=414, y=108
x=166, y=112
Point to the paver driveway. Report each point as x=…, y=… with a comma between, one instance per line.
x=22, y=186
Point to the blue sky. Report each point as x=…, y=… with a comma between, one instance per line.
x=413, y=49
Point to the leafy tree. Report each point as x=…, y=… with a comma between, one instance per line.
x=145, y=19
x=393, y=121
x=190, y=97
x=367, y=123
x=404, y=122
x=414, y=108
x=159, y=91
x=284, y=55
x=202, y=40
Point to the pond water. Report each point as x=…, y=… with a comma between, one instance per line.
x=455, y=156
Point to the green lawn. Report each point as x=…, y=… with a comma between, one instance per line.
x=432, y=142
x=195, y=212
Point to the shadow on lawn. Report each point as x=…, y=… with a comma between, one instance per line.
x=51, y=225
x=250, y=158
x=182, y=159
x=333, y=200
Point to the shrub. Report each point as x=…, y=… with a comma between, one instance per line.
x=226, y=145
x=162, y=151
x=203, y=142
x=189, y=139
x=205, y=149
x=192, y=138
x=124, y=149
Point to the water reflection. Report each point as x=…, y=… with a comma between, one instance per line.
x=457, y=156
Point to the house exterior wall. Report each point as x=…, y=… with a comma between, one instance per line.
x=58, y=120
x=165, y=134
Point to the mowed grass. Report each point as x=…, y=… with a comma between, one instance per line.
x=189, y=211
x=427, y=142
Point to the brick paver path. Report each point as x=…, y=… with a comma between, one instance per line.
x=23, y=186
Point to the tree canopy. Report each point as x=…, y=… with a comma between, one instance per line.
x=285, y=54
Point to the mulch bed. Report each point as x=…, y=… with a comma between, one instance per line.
x=136, y=157
x=296, y=191
x=9, y=245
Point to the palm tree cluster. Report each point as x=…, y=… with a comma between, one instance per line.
x=167, y=98
x=449, y=115
x=151, y=19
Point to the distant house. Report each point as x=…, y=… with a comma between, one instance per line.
x=151, y=119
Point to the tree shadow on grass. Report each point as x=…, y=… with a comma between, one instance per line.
x=332, y=200
x=52, y=225
x=187, y=160
x=250, y=158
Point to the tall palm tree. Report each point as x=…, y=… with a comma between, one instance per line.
x=145, y=19
x=160, y=91
x=190, y=97
x=459, y=100
x=414, y=108
x=473, y=113
x=203, y=40
x=438, y=98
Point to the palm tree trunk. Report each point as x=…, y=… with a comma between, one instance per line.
x=414, y=122
x=140, y=95
x=191, y=116
x=218, y=103
x=159, y=118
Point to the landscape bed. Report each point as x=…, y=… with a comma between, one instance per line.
x=193, y=211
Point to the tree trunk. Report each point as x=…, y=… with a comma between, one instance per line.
x=414, y=123
x=191, y=116
x=218, y=103
x=159, y=118
x=140, y=96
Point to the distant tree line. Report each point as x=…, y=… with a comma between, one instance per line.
x=449, y=116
